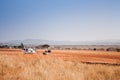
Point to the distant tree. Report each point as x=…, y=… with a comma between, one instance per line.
x=45, y=46
x=15, y=46
x=111, y=49
x=94, y=49
x=19, y=46
x=118, y=49
x=4, y=46
x=107, y=49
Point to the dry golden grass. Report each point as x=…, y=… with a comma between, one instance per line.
x=26, y=67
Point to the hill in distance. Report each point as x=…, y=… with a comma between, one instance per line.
x=52, y=42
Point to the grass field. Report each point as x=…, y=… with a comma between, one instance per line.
x=60, y=65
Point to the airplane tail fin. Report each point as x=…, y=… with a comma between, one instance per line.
x=22, y=45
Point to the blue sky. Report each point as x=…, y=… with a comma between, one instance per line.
x=72, y=20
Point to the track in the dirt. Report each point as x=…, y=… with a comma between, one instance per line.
x=71, y=55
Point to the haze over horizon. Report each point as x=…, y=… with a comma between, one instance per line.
x=59, y=20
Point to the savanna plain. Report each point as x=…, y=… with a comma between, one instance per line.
x=59, y=65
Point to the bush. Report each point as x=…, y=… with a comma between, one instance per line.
x=118, y=50
x=94, y=49
x=45, y=46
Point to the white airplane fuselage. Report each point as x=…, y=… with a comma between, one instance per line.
x=29, y=50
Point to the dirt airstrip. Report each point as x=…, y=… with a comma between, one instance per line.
x=69, y=55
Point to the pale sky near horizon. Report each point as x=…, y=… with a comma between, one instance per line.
x=71, y=20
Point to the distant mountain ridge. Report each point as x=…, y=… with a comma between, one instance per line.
x=52, y=42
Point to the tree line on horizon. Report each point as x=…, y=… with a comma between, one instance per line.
x=46, y=46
